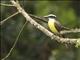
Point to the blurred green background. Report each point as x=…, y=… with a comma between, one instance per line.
x=32, y=43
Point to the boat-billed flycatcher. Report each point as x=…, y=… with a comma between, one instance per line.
x=54, y=25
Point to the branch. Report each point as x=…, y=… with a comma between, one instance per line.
x=39, y=18
x=2, y=22
x=70, y=31
x=15, y=42
x=6, y=4
x=44, y=30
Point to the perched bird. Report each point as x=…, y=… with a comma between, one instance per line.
x=55, y=25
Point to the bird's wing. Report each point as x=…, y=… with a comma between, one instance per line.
x=59, y=27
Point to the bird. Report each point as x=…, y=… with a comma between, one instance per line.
x=54, y=25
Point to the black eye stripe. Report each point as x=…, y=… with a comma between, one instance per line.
x=52, y=16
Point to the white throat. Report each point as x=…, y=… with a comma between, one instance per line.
x=51, y=19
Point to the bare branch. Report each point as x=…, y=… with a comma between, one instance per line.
x=39, y=18
x=70, y=31
x=45, y=31
x=2, y=22
x=15, y=42
x=6, y=4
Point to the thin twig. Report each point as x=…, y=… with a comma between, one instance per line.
x=14, y=42
x=6, y=4
x=39, y=18
x=2, y=22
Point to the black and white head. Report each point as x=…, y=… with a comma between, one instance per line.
x=51, y=16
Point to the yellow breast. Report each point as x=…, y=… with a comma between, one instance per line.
x=52, y=26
